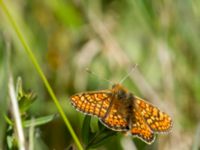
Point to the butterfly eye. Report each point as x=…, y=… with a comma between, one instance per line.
x=121, y=94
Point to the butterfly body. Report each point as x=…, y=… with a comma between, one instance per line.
x=120, y=110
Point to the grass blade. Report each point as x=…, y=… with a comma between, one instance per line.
x=40, y=72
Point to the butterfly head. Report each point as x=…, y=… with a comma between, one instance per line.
x=120, y=92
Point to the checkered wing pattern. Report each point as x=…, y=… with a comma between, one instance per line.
x=121, y=111
x=140, y=129
x=157, y=120
x=117, y=117
x=92, y=103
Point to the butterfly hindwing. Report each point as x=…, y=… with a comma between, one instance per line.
x=140, y=129
x=117, y=116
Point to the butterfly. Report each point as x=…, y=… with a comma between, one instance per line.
x=120, y=110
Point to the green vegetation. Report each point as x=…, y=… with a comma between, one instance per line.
x=48, y=45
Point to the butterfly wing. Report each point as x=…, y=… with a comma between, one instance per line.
x=157, y=120
x=117, y=116
x=140, y=129
x=92, y=103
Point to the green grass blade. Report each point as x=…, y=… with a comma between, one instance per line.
x=86, y=129
x=40, y=72
x=39, y=121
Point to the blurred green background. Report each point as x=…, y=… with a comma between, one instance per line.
x=108, y=37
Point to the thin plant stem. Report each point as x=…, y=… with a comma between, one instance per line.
x=31, y=135
x=40, y=72
x=16, y=114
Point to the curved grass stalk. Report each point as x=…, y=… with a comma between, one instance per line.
x=40, y=72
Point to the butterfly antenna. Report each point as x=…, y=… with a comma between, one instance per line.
x=125, y=77
x=93, y=73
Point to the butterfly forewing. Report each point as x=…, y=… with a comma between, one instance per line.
x=92, y=103
x=157, y=120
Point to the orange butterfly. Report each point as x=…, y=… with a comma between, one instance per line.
x=120, y=110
